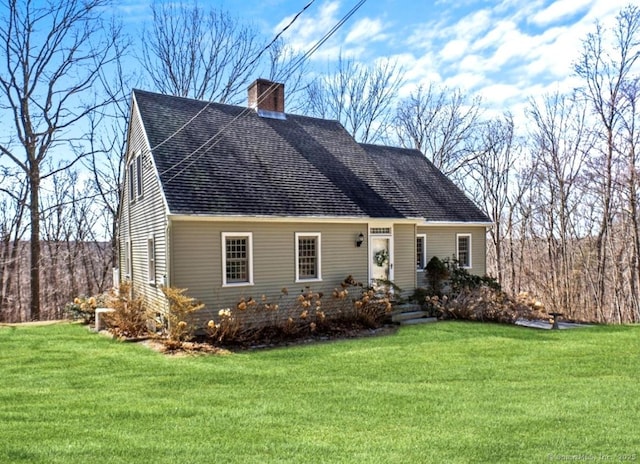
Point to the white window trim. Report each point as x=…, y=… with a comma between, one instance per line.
x=127, y=259
x=139, y=176
x=318, y=237
x=151, y=260
x=424, y=250
x=458, y=236
x=132, y=176
x=249, y=237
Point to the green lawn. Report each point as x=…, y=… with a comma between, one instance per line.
x=446, y=392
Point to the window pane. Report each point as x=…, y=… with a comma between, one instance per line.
x=380, y=230
x=307, y=258
x=151, y=253
x=463, y=251
x=139, y=174
x=237, y=260
x=131, y=180
x=420, y=253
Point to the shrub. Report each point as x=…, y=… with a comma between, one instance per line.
x=373, y=306
x=423, y=297
x=436, y=272
x=130, y=317
x=84, y=308
x=181, y=307
x=461, y=279
x=262, y=319
x=487, y=304
x=226, y=329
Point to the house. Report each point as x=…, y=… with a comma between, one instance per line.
x=233, y=202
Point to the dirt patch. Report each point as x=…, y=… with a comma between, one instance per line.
x=35, y=323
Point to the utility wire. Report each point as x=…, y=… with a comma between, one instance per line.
x=212, y=140
x=255, y=59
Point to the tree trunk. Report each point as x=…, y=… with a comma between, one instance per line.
x=34, y=209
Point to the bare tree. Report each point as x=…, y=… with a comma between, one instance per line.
x=490, y=181
x=442, y=124
x=107, y=143
x=630, y=179
x=360, y=97
x=560, y=145
x=52, y=54
x=200, y=54
x=606, y=67
x=289, y=67
x=13, y=199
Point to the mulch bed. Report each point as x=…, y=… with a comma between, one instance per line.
x=268, y=339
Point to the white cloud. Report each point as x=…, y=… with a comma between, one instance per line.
x=558, y=11
x=365, y=30
x=465, y=81
x=498, y=94
x=307, y=30
x=454, y=49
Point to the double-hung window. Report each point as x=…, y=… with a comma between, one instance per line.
x=463, y=250
x=308, y=262
x=237, y=258
x=127, y=259
x=139, y=175
x=151, y=260
x=421, y=251
x=132, y=174
x=135, y=177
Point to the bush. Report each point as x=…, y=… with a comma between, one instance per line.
x=262, y=320
x=487, y=304
x=436, y=272
x=84, y=308
x=372, y=308
x=130, y=316
x=461, y=279
x=423, y=297
x=181, y=307
x=471, y=297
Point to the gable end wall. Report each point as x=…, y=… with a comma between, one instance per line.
x=142, y=218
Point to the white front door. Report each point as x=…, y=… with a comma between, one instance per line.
x=380, y=259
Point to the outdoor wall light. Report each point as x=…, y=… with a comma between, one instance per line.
x=360, y=240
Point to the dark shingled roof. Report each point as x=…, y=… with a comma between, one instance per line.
x=229, y=161
x=422, y=184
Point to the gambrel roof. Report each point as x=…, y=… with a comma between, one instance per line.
x=223, y=160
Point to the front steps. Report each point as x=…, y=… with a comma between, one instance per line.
x=411, y=314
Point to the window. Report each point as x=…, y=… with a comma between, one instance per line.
x=307, y=256
x=421, y=251
x=380, y=230
x=127, y=259
x=463, y=250
x=139, y=176
x=132, y=168
x=237, y=262
x=151, y=260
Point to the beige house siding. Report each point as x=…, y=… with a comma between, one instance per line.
x=142, y=218
x=441, y=242
x=404, y=246
x=197, y=259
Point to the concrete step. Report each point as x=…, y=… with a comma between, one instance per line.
x=421, y=320
x=406, y=315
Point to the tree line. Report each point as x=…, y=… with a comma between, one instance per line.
x=560, y=184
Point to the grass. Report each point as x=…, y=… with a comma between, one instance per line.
x=447, y=392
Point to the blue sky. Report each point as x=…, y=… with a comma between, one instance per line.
x=503, y=51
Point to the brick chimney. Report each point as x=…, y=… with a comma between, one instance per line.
x=266, y=96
